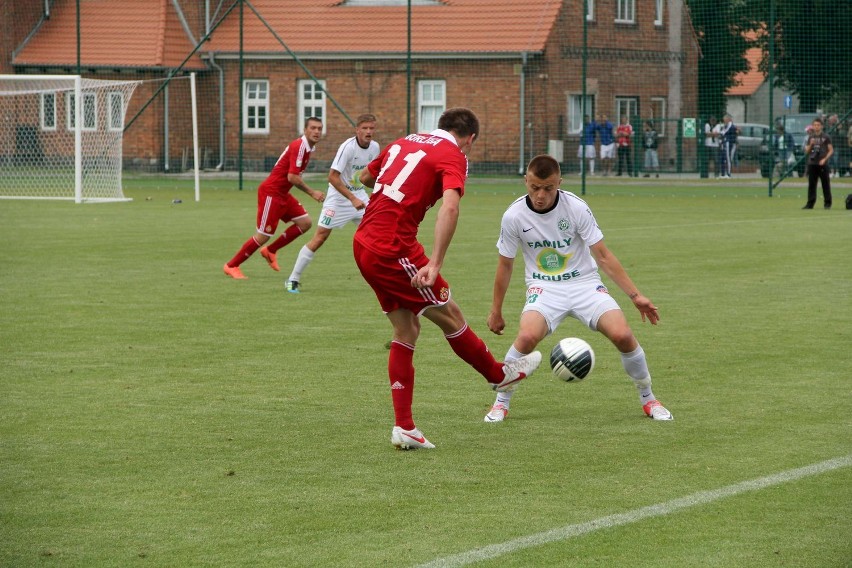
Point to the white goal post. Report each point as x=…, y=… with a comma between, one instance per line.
x=51, y=147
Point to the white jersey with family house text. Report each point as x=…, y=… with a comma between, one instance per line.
x=351, y=158
x=555, y=244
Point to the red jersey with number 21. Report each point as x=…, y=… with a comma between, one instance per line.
x=411, y=176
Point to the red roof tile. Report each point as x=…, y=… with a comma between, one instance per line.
x=137, y=34
x=455, y=27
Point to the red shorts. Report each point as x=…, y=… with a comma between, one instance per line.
x=272, y=208
x=390, y=279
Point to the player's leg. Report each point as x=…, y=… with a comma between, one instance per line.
x=813, y=176
x=824, y=174
x=473, y=351
x=613, y=325
x=306, y=254
x=267, y=222
x=532, y=330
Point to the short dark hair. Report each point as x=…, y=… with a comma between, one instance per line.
x=544, y=166
x=366, y=117
x=312, y=118
x=460, y=120
x=818, y=119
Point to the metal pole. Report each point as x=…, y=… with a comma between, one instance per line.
x=78, y=38
x=408, y=75
x=194, y=134
x=771, y=91
x=583, y=96
x=522, y=111
x=240, y=86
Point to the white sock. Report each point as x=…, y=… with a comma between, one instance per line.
x=504, y=397
x=637, y=368
x=305, y=257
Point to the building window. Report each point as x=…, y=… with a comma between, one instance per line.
x=48, y=111
x=256, y=106
x=116, y=111
x=590, y=10
x=311, y=102
x=659, y=6
x=90, y=111
x=625, y=12
x=629, y=107
x=658, y=114
x=576, y=111
x=431, y=103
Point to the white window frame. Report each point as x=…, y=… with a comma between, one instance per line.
x=90, y=110
x=255, y=106
x=625, y=11
x=659, y=9
x=312, y=105
x=575, y=111
x=590, y=10
x=659, y=102
x=632, y=106
x=43, y=115
x=429, y=106
x=115, y=122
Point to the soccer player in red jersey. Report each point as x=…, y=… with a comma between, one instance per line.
x=408, y=177
x=274, y=202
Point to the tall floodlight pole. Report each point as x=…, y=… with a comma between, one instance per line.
x=583, y=95
x=771, y=30
x=240, y=87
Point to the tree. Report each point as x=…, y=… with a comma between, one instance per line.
x=721, y=28
x=813, y=57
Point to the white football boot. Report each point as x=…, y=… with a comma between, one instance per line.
x=517, y=370
x=409, y=439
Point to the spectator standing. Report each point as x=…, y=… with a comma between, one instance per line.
x=408, y=177
x=605, y=134
x=783, y=145
x=649, y=142
x=623, y=136
x=728, y=149
x=346, y=197
x=711, y=144
x=818, y=149
x=586, y=150
x=275, y=203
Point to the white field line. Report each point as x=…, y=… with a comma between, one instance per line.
x=658, y=510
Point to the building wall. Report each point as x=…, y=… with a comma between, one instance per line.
x=17, y=20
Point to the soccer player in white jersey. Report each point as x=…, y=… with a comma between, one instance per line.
x=346, y=197
x=562, y=248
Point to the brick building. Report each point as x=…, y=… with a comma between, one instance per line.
x=518, y=65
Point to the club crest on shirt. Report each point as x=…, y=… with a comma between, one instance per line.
x=444, y=294
x=563, y=224
x=269, y=228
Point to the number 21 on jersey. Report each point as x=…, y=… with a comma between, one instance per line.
x=411, y=161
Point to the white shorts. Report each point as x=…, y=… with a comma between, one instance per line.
x=608, y=151
x=590, y=151
x=585, y=300
x=337, y=210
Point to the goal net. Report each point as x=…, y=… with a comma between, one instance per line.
x=61, y=137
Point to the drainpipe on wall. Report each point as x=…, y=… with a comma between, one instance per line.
x=166, y=127
x=221, y=71
x=522, y=111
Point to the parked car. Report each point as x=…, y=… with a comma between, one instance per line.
x=749, y=138
x=795, y=124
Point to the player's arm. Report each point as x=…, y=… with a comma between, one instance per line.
x=445, y=228
x=297, y=181
x=828, y=154
x=367, y=178
x=502, y=278
x=609, y=263
x=344, y=189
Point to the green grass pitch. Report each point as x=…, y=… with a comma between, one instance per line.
x=154, y=412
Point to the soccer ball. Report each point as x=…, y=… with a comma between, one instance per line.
x=572, y=359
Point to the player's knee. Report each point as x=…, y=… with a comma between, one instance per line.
x=526, y=341
x=623, y=339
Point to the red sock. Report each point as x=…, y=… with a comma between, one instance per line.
x=249, y=248
x=474, y=352
x=401, y=373
x=285, y=239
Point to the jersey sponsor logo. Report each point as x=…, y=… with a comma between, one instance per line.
x=556, y=277
x=552, y=262
x=421, y=139
x=525, y=230
x=328, y=212
x=556, y=244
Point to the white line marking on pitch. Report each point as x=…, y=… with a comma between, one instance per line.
x=660, y=509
